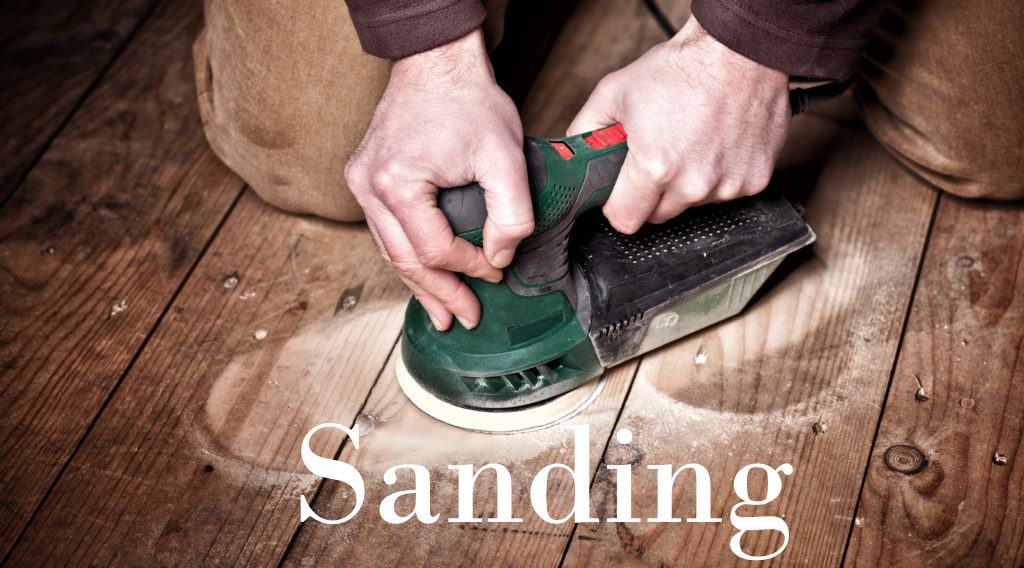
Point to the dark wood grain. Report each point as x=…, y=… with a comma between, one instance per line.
x=52, y=52
x=195, y=460
x=93, y=246
x=964, y=346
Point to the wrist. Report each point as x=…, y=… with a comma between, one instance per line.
x=460, y=60
x=715, y=53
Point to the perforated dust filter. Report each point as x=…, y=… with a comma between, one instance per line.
x=703, y=265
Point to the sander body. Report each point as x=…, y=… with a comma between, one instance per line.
x=580, y=297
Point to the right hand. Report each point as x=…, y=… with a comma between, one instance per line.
x=443, y=122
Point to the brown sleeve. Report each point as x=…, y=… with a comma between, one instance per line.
x=801, y=37
x=397, y=28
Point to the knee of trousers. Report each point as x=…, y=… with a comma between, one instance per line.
x=942, y=89
x=286, y=119
x=965, y=156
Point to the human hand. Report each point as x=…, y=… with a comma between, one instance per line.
x=705, y=124
x=443, y=122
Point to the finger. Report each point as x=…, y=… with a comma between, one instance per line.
x=633, y=198
x=509, y=206
x=726, y=190
x=375, y=234
x=442, y=293
x=431, y=305
x=599, y=111
x=693, y=190
x=668, y=208
x=439, y=315
x=430, y=237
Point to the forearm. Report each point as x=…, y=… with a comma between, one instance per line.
x=808, y=39
x=394, y=29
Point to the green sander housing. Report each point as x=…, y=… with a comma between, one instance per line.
x=579, y=296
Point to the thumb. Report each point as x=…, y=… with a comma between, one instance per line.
x=599, y=111
x=509, y=205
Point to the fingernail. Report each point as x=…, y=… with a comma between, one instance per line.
x=495, y=278
x=466, y=323
x=502, y=258
x=434, y=321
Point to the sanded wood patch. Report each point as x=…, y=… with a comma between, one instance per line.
x=951, y=491
x=402, y=434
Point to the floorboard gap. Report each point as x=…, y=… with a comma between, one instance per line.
x=600, y=462
x=892, y=372
x=74, y=109
x=124, y=374
x=341, y=448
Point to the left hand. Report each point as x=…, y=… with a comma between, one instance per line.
x=705, y=124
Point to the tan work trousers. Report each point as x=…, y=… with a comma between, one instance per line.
x=286, y=94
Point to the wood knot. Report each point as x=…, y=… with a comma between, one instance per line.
x=965, y=261
x=904, y=459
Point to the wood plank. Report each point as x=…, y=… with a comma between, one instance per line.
x=53, y=51
x=93, y=246
x=195, y=461
x=798, y=378
x=963, y=346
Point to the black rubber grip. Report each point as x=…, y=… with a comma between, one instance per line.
x=464, y=206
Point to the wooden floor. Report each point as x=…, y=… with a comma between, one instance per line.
x=167, y=340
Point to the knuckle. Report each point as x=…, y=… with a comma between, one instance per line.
x=669, y=207
x=355, y=174
x=383, y=179
x=408, y=269
x=660, y=170
x=624, y=223
x=607, y=83
x=446, y=290
x=730, y=188
x=699, y=184
x=388, y=178
x=432, y=257
x=515, y=228
x=759, y=180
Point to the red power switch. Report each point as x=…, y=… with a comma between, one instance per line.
x=606, y=137
x=563, y=150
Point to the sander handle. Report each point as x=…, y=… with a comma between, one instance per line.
x=558, y=174
x=464, y=206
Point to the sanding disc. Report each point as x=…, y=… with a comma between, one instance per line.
x=533, y=417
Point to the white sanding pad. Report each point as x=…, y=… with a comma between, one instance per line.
x=533, y=417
